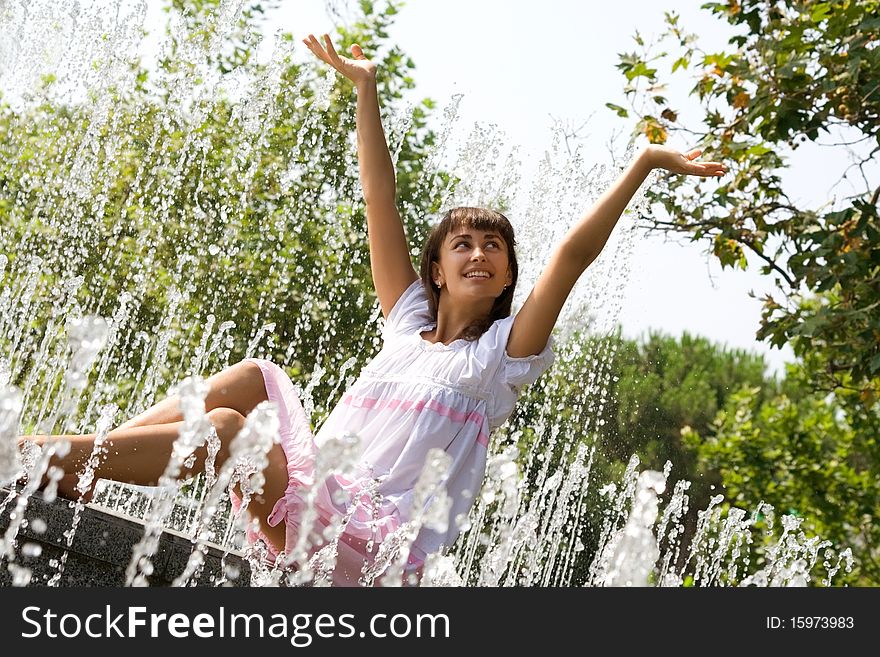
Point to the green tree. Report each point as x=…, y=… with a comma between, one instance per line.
x=666, y=384
x=803, y=457
x=795, y=72
x=642, y=397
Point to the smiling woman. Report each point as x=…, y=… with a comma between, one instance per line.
x=465, y=241
x=455, y=357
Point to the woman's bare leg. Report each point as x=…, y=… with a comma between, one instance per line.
x=139, y=455
x=239, y=387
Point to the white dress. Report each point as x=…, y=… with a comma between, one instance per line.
x=412, y=397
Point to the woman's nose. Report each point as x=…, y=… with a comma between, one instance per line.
x=478, y=254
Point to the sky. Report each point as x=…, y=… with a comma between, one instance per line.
x=521, y=65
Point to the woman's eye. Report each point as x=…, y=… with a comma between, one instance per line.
x=492, y=243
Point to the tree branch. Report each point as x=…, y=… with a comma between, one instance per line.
x=676, y=128
x=677, y=226
x=770, y=262
x=860, y=165
x=708, y=224
x=845, y=143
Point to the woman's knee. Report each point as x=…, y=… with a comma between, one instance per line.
x=250, y=369
x=227, y=421
x=239, y=387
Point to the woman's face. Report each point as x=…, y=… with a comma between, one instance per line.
x=474, y=264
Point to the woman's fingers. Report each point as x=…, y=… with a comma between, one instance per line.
x=357, y=69
x=715, y=168
x=331, y=51
x=708, y=168
x=686, y=162
x=313, y=45
x=327, y=56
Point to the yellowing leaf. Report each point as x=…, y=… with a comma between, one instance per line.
x=655, y=132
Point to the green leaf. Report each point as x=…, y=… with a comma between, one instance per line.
x=640, y=70
x=617, y=108
x=758, y=149
x=820, y=12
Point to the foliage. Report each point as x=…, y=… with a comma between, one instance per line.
x=212, y=202
x=797, y=70
x=802, y=456
x=641, y=397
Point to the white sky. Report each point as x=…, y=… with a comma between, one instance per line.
x=519, y=62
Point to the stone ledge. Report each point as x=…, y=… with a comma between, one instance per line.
x=102, y=548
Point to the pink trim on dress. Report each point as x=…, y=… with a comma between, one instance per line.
x=406, y=404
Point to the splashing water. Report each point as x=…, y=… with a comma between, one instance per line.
x=137, y=293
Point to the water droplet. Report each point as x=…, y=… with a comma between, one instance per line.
x=32, y=550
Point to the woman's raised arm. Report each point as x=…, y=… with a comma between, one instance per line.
x=583, y=243
x=390, y=263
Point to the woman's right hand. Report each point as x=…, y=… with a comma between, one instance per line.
x=359, y=70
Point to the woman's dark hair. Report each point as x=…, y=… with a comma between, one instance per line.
x=478, y=219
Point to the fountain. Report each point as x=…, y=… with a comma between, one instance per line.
x=156, y=223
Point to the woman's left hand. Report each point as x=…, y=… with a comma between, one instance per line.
x=664, y=157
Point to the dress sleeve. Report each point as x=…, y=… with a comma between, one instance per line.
x=409, y=313
x=520, y=372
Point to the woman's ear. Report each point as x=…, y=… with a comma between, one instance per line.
x=436, y=277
